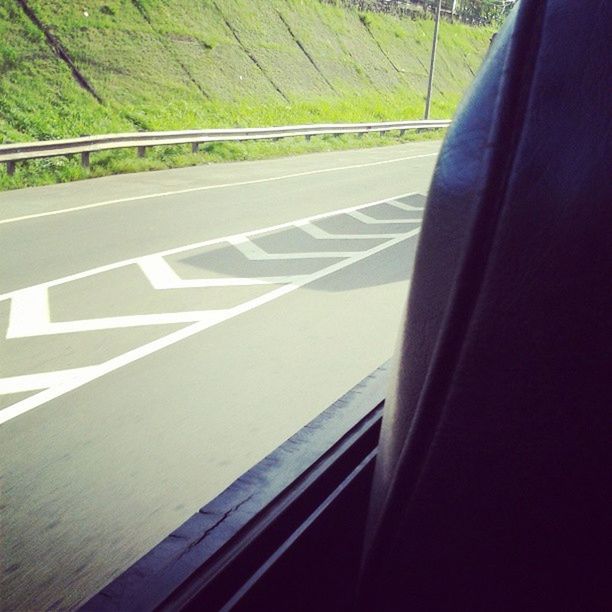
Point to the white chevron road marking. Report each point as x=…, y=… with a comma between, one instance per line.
x=161, y=275
x=64, y=384
x=252, y=251
x=316, y=232
x=29, y=313
x=403, y=206
x=371, y=221
x=195, y=245
x=125, y=321
x=29, y=317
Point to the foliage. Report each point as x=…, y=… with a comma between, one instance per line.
x=191, y=64
x=484, y=11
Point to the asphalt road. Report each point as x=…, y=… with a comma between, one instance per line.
x=160, y=333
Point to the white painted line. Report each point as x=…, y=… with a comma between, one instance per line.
x=320, y=234
x=159, y=272
x=115, y=363
x=29, y=312
x=403, y=206
x=193, y=246
x=87, y=325
x=250, y=250
x=29, y=317
x=42, y=380
x=371, y=221
x=162, y=276
x=163, y=194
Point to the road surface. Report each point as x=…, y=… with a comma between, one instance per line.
x=160, y=333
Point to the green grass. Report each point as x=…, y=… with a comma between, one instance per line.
x=180, y=64
x=59, y=169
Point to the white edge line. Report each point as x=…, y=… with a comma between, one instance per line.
x=209, y=187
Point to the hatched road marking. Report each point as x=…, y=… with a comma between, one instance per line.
x=371, y=221
x=30, y=311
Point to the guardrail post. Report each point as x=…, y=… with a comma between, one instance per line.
x=195, y=147
x=85, y=159
x=383, y=132
x=402, y=132
x=142, y=151
x=10, y=167
x=308, y=136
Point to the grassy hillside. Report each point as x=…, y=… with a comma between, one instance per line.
x=178, y=64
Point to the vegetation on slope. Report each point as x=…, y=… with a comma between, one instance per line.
x=179, y=64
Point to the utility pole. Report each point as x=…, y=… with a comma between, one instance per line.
x=432, y=65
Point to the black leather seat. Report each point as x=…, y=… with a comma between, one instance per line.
x=492, y=486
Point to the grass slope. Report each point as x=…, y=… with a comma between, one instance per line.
x=178, y=64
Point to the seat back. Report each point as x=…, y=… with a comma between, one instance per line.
x=491, y=489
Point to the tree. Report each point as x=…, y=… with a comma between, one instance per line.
x=483, y=11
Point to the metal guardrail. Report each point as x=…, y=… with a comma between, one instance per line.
x=85, y=145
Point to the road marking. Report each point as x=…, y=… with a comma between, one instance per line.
x=43, y=380
x=161, y=275
x=316, y=232
x=196, y=245
x=91, y=373
x=29, y=314
x=29, y=317
x=371, y=221
x=403, y=206
x=163, y=194
x=249, y=249
x=38, y=328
